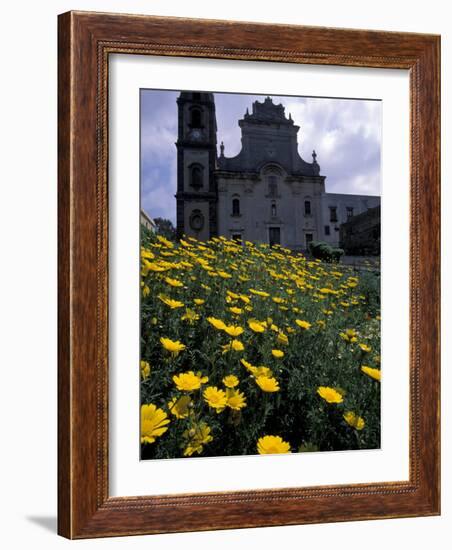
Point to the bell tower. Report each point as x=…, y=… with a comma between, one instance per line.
x=196, y=144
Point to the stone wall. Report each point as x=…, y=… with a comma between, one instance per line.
x=261, y=210
x=359, y=203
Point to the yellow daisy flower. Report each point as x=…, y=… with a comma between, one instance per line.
x=145, y=369
x=272, y=444
x=174, y=347
x=259, y=293
x=190, y=316
x=365, y=347
x=233, y=330
x=154, y=266
x=215, y=398
x=189, y=381
x=373, y=373
x=165, y=241
x=179, y=406
x=267, y=384
x=173, y=282
x=327, y=291
x=261, y=371
x=330, y=395
x=247, y=365
x=230, y=381
x=235, y=399
x=147, y=254
x=350, y=335
x=217, y=323
x=197, y=437
x=303, y=324
x=256, y=326
x=354, y=420
x=234, y=345
x=153, y=423
x=282, y=338
x=173, y=304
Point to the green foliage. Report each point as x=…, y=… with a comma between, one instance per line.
x=165, y=228
x=325, y=252
x=331, y=299
x=146, y=236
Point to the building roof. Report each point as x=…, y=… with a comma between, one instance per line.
x=146, y=216
x=370, y=214
x=268, y=136
x=267, y=112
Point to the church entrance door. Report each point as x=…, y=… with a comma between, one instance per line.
x=274, y=235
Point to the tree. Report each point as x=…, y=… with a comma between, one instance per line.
x=165, y=228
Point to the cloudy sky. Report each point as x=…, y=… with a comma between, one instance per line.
x=346, y=134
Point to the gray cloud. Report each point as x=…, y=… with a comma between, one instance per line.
x=346, y=134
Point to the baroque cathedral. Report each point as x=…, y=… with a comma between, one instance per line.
x=267, y=193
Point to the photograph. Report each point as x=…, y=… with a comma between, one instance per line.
x=259, y=275
x=248, y=212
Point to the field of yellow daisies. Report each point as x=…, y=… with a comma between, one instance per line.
x=247, y=349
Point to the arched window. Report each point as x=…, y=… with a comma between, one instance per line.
x=273, y=209
x=307, y=208
x=236, y=207
x=196, y=118
x=272, y=186
x=196, y=176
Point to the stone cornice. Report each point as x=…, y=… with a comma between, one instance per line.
x=253, y=176
x=187, y=195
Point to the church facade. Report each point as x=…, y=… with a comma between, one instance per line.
x=267, y=193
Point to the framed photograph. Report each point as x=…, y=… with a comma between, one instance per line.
x=248, y=275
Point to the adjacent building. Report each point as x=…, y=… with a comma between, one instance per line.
x=266, y=193
x=360, y=235
x=147, y=221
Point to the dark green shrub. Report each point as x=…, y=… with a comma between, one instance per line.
x=337, y=254
x=325, y=252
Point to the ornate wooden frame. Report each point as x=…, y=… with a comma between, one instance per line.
x=85, y=42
